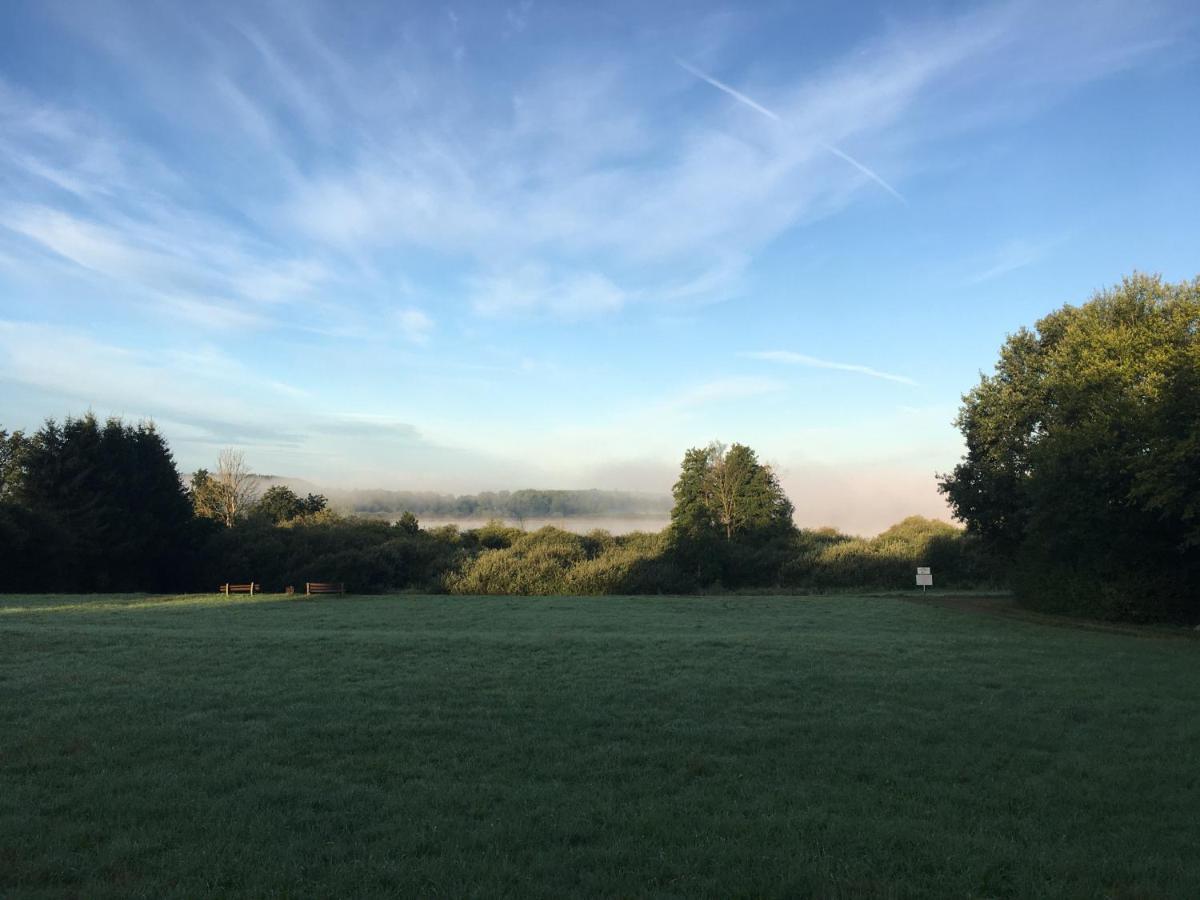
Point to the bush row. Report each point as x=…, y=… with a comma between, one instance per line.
x=372, y=556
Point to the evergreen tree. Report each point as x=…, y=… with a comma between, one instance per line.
x=114, y=499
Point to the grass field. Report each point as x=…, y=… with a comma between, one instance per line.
x=603, y=746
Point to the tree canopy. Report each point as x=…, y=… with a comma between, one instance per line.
x=228, y=494
x=1083, y=453
x=105, y=498
x=279, y=503
x=91, y=506
x=725, y=499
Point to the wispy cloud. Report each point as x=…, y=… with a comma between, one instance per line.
x=205, y=398
x=83, y=243
x=758, y=107
x=723, y=390
x=516, y=18
x=211, y=314
x=1014, y=255
x=532, y=289
x=208, y=280
x=414, y=324
x=589, y=165
x=286, y=181
x=203, y=386
x=786, y=357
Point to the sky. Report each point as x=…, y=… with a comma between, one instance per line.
x=488, y=246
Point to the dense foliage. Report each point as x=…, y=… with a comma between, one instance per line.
x=551, y=561
x=88, y=506
x=367, y=556
x=1083, y=454
x=732, y=521
x=280, y=504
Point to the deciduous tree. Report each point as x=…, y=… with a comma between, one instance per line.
x=726, y=502
x=227, y=494
x=1083, y=453
x=12, y=446
x=279, y=503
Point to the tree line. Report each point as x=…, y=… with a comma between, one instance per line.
x=522, y=504
x=87, y=505
x=1080, y=487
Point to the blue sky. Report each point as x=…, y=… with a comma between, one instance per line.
x=484, y=246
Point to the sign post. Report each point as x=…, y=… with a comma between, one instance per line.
x=924, y=577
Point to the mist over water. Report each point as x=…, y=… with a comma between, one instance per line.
x=577, y=524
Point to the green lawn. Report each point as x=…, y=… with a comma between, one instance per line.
x=600, y=746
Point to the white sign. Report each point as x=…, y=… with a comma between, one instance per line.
x=924, y=576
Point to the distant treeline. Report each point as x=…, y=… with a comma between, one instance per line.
x=99, y=506
x=534, y=504
x=373, y=556
x=1080, y=483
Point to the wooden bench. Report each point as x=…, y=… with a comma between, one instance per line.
x=323, y=587
x=250, y=589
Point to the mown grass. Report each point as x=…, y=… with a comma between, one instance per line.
x=602, y=746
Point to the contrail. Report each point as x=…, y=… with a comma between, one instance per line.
x=722, y=86
x=868, y=172
x=758, y=107
x=799, y=359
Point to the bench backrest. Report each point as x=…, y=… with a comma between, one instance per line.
x=251, y=588
x=324, y=587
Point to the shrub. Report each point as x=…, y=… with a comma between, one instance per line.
x=825, y=559
x=552, y=561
